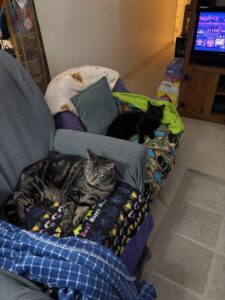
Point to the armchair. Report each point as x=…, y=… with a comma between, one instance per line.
x=28, y=133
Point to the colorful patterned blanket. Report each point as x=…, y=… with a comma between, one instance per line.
x=161, y=152
x=112, y=223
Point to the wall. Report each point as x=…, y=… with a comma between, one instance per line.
x=119, y=34
x=180, y=16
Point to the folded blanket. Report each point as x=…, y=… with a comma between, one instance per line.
x=170, y=114
x=111, y=223
x=73, y=81
x=80, y=269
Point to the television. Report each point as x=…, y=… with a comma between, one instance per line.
x=209, y=36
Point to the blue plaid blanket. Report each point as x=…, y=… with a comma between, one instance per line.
x=79, y=269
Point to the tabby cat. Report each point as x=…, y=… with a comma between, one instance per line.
x=76, y=182
x=137, y=122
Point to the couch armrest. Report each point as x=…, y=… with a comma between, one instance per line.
x=130, y=157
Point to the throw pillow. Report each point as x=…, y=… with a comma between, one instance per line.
x=96, y=107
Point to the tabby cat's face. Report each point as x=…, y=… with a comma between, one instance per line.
x=99, y=170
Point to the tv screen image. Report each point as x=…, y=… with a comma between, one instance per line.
x=210, y=33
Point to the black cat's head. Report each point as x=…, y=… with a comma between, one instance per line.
x=155, y=112
x=99, y=169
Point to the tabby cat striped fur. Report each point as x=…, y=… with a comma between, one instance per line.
x=76, y=182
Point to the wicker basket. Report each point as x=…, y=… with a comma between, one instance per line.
x=27, y=42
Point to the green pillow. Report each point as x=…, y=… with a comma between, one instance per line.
x=96, y=107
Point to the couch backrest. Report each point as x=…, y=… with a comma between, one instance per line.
x=26, y=125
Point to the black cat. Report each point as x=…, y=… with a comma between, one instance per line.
x=137, y=122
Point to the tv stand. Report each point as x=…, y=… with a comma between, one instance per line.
x=202, y=93
x=212, y=61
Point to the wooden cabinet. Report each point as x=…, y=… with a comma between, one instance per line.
x=202, y=93
x=201, y=89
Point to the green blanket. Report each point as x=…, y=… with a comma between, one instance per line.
x=170, y=115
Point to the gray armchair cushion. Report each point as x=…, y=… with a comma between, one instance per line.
x=26, y=125
x=130, y=157
x=15, y=287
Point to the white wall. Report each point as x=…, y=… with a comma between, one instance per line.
x=119, y=34
x=180, y=16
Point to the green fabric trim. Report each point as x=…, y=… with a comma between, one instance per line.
x=170, y=114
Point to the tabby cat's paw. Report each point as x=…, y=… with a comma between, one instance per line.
x=66, y=229
x=22, y=218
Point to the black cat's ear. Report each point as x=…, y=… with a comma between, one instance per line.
x=162, y=106
x=91, y=154
x=149, y=105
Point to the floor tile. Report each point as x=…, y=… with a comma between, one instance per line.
x=158, y=210
x=202, y=147
x=168, y=290
x=221, y=243
x=216, y=281
x=207, y=193
x=196, y=223
x=185, y=263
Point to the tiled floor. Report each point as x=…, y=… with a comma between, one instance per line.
x=216, y=287
x=170, y=290
x=188, y=253
x=188, y=250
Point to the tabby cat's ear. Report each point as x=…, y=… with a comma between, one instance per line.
x=92, y=155
x=110, y=165
x=52, y=153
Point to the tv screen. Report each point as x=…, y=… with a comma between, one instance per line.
x=210, y=31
